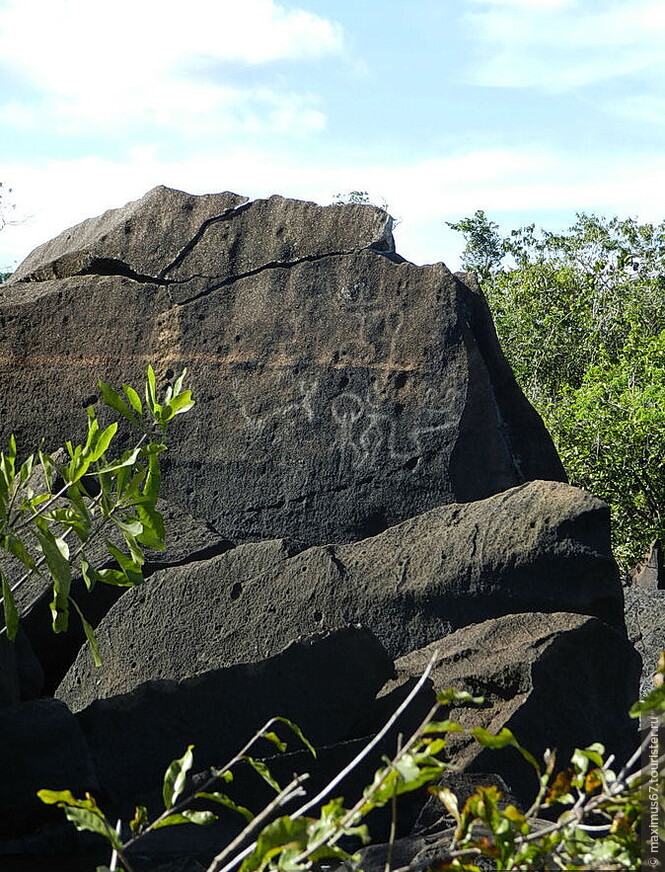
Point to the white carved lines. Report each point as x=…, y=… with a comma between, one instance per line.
x=292, y=413
x=369, y=432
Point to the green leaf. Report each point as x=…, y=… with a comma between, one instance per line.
x=450, y=696
x=276, y=741
x=175, y=778
x=134, y=399
x=653, y=703
x=502, y=739
x=89, y=635
x=84, y=813
x=56, y=553
x=273, y=839
x=127, y=565
x=140, y=820
x=113, y=399
x=202, y=818
x=9, y=606
x=102, y=442
x=261, y=769
x=151, y=392
x=84, y=819
x=16, y=547
x=224, y=800
x=182, y=403
x=299, y=733
x=128, y=460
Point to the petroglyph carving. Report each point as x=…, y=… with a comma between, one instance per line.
x=257, y=421
x=370, y=431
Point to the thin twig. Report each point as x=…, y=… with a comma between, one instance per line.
x=291, y=790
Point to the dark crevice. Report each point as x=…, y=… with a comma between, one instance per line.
x=108, y=266
x=193, y=242
x=207, y=553
x=276, y=264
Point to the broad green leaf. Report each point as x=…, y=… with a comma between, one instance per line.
x=460, y=697
x=134, y=399
x=153, y=533
x=128, y=460
x=26, y=469
x=503, y=739
x=182, y=403
x=273, y=839
x=16, y=547
x=56, y=554
x=583, y=756
x=84, y=819
x=131, y=570
x=202, y=818
x=153, y=480
x=113, y=399
x=224, y=800
x=9, y=607
x=259, y=767
x=114, y=577
x=102, y=442
x=175, y=778
x=653, y=703
x=85, y=814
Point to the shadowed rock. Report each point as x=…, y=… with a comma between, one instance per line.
x=323, y=683
x=539, y=547
x=557, y=680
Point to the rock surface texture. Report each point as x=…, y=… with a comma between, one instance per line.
x=340, y=390
x=360, y=482
x=538, y=547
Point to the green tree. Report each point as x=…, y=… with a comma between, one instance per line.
x=358, y=198
x=581, y=319
x=484, y=249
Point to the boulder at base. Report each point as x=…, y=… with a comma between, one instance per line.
x=558, y=681
x=539, y=547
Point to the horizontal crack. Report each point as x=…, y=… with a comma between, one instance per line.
x=285, y=264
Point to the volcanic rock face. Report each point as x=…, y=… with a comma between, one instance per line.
x=339, y=390
x=541, y=546
x=360, y=478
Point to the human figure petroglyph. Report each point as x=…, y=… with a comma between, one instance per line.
x=368, y=431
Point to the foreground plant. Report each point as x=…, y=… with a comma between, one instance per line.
x=59, y=511
x=599, y=826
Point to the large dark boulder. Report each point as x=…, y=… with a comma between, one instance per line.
x=340, y=390
x=43, y=657
x=539, y=547
x=41, y=746
x=324, y=683
x=558, y=681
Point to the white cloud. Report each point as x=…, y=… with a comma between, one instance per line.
x=149, y=61
x=517, y=187
x=561, y=44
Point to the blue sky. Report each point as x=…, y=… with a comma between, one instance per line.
x=529, y=109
